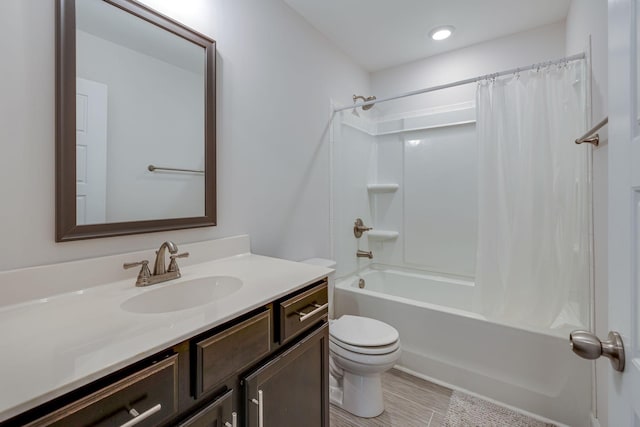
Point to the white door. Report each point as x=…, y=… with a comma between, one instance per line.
x=624, y=210
x=91, y=152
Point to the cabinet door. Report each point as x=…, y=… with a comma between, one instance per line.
x=292, y=389
x=218, y=414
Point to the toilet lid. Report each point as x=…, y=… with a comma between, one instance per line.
x=362, y=331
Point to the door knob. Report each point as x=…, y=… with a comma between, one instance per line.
x=588, y=346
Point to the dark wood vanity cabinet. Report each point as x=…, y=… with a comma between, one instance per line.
x=268, y=367
x=291, y=389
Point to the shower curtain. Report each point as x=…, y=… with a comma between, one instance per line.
x=532, y=265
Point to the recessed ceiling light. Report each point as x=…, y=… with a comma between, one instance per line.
x=441, y=33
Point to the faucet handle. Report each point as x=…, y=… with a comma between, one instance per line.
x=144, y=263
x=144, y=275
x=359, y=228
x=173, y=265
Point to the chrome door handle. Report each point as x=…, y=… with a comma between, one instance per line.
x=588, y=346
x=260, y=403
x=234, y=421
x=319, y=308
x=137, y=418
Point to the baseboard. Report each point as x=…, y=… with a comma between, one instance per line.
x=488, y=399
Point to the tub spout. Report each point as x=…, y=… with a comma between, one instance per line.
x=364, y=254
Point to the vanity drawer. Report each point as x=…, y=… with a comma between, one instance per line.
x=232, y=350
x=151, y=393
x=303, y=310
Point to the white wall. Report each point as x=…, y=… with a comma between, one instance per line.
x=275, y=76
x=589, y=18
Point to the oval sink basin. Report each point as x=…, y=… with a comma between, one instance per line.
x=183, y=295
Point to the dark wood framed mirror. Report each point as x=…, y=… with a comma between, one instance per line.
x=135, y=121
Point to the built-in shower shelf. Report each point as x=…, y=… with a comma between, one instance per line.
x=383, y=188
x=382, y=235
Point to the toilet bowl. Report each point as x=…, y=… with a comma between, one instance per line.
x=360, y=350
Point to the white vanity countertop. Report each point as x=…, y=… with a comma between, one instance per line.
x=53, y=345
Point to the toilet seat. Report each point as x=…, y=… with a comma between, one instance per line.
x=372, y=350
x=362, y=332
x=375, y=361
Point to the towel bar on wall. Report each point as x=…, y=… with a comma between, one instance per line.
x=595, y=139
x=153, y=168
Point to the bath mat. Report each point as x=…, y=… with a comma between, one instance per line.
x=469, y=411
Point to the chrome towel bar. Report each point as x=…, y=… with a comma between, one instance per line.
x=153, y=168
x=595, y=139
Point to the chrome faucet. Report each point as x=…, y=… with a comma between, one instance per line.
x=160, y=273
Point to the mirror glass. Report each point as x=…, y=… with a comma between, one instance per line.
x=143, y=138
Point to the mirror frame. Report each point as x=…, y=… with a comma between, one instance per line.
x=65, y=123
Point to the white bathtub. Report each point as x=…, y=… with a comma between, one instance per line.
x=444, y=341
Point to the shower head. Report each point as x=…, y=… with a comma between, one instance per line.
x=367, y=99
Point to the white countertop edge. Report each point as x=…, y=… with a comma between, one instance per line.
x=272, y=292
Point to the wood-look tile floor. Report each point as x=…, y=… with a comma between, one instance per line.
x=408, y=401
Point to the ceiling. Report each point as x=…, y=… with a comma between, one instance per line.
x=380, y=34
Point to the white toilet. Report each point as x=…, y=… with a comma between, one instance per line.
x=360, y=350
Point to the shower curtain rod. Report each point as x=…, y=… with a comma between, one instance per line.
x=466, y=81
